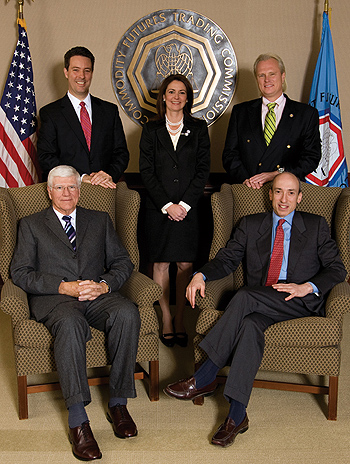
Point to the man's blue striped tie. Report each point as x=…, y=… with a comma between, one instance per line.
x=70, y=231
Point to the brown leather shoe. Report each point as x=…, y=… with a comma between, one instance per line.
x=226, y=433
x=186, y=389
x=123, y=425
x=84, y=445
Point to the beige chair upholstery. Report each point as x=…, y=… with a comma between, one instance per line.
x=33, y=344
x=308, y=345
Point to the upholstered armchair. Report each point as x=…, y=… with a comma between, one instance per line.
x=308, y=345
x=33, y=344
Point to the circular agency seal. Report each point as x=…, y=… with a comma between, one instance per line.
x=174, y=42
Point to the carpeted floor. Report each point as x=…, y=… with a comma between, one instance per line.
x=285, y=427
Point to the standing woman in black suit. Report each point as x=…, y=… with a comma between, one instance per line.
x=174, y=166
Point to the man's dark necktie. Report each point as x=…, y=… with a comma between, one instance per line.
x=277, y=256
x=85, y=123
x=70, y=231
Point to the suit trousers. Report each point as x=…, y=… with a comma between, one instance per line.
x=238, y=337
x=69, y=323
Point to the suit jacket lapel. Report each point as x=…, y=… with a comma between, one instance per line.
x=297, y=243
x=166, y=141
x=186, y=135
x=97, y=126
x=263, y=243
x=73, y=121
x=255, y=124
x=82, y=226
x=53, y=223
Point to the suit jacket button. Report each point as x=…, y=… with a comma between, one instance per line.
x=74, y=256
x=260, y=164
x=176, y=180
x=248, y=140
x=288, y=146
x=175, y=166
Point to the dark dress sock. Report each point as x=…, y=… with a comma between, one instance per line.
x=76, y=415
x=206, y=374
x=237, y=411
x=114, y=401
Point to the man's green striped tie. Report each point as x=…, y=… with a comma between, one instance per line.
x=270, y=123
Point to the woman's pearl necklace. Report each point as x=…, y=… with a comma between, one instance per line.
x=174, y=131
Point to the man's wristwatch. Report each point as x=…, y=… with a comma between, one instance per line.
x=108, y=287
x=280, y=170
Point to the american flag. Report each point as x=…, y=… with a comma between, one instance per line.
x=18, y=123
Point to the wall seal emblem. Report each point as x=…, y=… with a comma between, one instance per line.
x=169, y=42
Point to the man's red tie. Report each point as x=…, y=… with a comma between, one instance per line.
x=277, y=256
x=85, y=123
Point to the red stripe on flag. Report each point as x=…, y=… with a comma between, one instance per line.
x=10, y=148
x=5, y=173
x=31, y=150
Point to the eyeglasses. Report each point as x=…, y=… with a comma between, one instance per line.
x=61, y=188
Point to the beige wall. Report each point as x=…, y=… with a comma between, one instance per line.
x=290, y=28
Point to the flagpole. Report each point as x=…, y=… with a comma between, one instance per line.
x=20, y=9
x=328, y=11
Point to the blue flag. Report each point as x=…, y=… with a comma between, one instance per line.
x=332, y=170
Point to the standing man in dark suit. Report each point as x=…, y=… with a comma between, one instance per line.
x=71, y=263
x=290, y=264
x=271, y=134
x=81, y=130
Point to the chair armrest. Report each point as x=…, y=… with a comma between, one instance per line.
x=217, y=294
x=338, y=301
x=14, y=302
x=141, y=290
x=222, y=207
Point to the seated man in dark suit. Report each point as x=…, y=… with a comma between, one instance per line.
x=290, y=263
x=80, y=130
x=271, y=134
x=71, y=263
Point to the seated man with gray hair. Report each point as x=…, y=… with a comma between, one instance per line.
x=71, y=263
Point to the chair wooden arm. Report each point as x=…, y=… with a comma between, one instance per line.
x=14, y=302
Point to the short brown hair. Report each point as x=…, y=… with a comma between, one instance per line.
x=162, y=89
x=78, y=51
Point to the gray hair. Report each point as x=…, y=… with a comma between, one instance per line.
x=63, y=171
x=269, y=56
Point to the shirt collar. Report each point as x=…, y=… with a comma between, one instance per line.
x=76, y=102
x=288, y=218
x=279, y=100
x=73, y=215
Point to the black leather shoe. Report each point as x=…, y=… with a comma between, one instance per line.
x=168, y=339
x=227, y=432
x=181, y=338
x=186, y=389
x=84, y=445
x=123, y=425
